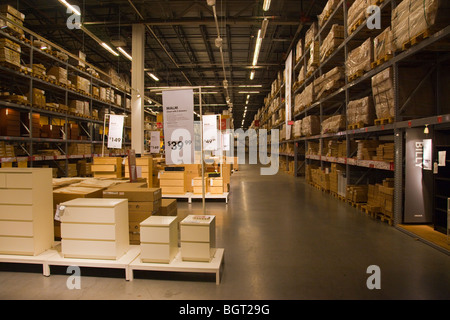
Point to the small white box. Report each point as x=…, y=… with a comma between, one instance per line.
x=159, y=239
x=198, y=238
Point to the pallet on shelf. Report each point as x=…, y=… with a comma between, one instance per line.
x=382, y=60
x=383, y=121
x=416, y=39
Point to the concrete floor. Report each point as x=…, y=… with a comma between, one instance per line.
x=283, y=240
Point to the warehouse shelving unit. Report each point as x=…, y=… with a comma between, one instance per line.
x=22, y=80
x=432, y=49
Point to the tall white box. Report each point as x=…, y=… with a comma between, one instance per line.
x=94, y=228
x=198, y=238
x=159, y=239
x=26, y=211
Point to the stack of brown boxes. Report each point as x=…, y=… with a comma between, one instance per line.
x=107, y=167
x=361, y=111
x=356, y=14
x=144, y=169
x=383, y=94
x=83, y=168
x=386, y=197
x=310, y=125
x=359, y=59
x=9, y=122
x=334, y=177
x=333, y=124
x=385, y=152
x=6, y=150
x=10, y=52
x=197, y=186
x=80, y=83
x=192, y=171
x=329, y=81
x=80, y=149
x=367, y=149
x=14, y=15
x=51, y=131
x=172, y=182
x=357, y=193
x=216, y=185
x=142, y=203
x=38, y=98
x=334, y=38
x=168, y=207
x=59, y=73
x=35, y=124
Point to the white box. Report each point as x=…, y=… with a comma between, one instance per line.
x=94, y=228
x=198, y=238
x=159, y=239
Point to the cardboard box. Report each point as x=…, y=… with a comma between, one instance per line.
x=133, y=195
x=168, y=207
x=59, y=73
x=116, y=168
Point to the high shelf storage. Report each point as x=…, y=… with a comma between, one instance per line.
x=56, y=102
x=357, y=92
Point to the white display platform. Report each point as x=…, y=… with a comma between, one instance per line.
x=39, y=259
x=177, y=265
x=56, y=259
x=190, y=196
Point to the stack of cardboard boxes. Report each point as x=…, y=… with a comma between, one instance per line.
x=107, y=167
x=357, y=193
x=10, y=52
x=361, y=111
x=12, y=14
x=173, y=182
x=142, y=203
x=9, y=122
x=144, y=169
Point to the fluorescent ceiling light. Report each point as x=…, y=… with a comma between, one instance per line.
x=266, y=5
x=153, y=76
x=248, y=91
x=104, y=45
x=252, y=75
x=251, y=86
x=71, y=7
x=257, y=48
x=126, y=54
x=264, y=25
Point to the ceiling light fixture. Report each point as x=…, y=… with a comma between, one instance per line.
x=126, y=54
x=266, y=5
x=153, y=76
x=264, y=25
x=257, y=48
x=71, y=7
x=426, y=130
x=104, y=45
x=249, y=92
x=252, y=75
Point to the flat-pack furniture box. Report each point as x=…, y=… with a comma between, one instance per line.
x=94, y=228
x=26, y=215
x=107, y=167
x=168, y=207
x=172, y=182
x=143, y=202
x=159, y=239
x=197, y=185
x=216, y=185
x=198, y=238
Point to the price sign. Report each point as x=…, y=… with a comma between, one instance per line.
x=115, y=131
x=154, y=142
x=210, y=132
x=178, y=107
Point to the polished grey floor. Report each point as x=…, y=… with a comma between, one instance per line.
x=283, y=240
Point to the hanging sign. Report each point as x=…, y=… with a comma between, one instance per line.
x=427, y=150
x=154, y=141
x=178, y=107
x=115, y=133
x=210, y=136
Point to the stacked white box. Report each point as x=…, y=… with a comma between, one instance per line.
x=198, y=238
x=159, y=239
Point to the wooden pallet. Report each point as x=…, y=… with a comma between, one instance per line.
x=358, y=125
x=10, y=65
x=383, y=217
x=416, y=39
x=382, y=60
x=356, y=25
x=356, y=75
x=381, y=121
x=370, y=210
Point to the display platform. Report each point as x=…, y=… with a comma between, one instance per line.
x=177, y=265
x=189, y=196
x=23, y=259
x=57, y=259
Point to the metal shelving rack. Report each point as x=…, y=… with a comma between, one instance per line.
x=338, y=100
x=63, y=93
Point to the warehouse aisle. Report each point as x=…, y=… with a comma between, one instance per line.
x=283, y=240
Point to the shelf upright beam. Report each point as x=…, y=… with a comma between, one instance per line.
x=137, y=92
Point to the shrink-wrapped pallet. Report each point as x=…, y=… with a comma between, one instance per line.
x=360, y=58
x=310, y=126
x=327, y=11
x=311, y=34
x=298, y=50
x=297, y=128
x=356, y=14
x=304, y=99
x=413, y=17
x=333, y=124
x=383, y=94
x=333, y=39
x=314, y=58
x=333, y=79
x=382, y=44
x=361, y=111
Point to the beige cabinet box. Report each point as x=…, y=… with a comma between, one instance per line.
x=198, y=238
x=26, y=210
x=95, y=228
x=159, y=239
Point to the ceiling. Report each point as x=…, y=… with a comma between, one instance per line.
x=180, y=42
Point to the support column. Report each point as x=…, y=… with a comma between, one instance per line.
x=137, y=93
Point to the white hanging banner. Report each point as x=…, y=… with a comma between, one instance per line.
x=115, y=132
x=178, y=107
x=154, y=141
x=210, y=133
x=288, y=97
x=427, y=154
